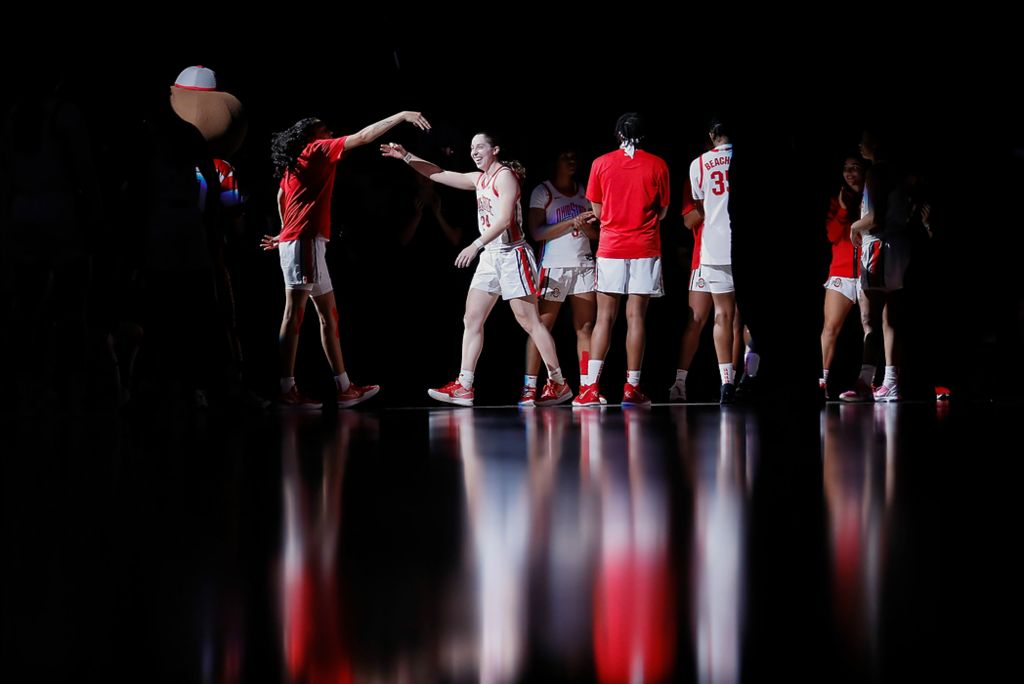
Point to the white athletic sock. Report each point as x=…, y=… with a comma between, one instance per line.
x=594, y=376
x=555, y=376
x=342, y=381
x=530, y=381
x=287, y=384
x=891, y=376
x=633, y=377
x=726, y=370
x=466, y=379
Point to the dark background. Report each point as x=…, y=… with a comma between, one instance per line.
x=797, y=105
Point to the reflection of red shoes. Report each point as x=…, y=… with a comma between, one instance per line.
x=554, y=393
x=295, y=400
x=942, y=393
x=356, y=394
x=527, y=396
x=632, y=396
x=588, y=396
x=453, y=393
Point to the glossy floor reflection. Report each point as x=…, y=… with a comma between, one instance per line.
x=492, y=545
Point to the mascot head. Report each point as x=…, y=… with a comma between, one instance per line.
x=219, y=116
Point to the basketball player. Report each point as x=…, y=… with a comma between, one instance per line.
x=629, y=193
x=841, y=288
x=305, y=157
x=506, y=267
x=560, y=219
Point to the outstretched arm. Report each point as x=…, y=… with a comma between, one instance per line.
x=462, y=181
x=375, y=130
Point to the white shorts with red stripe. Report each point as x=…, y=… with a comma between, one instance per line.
x=558, y=283
x=511, y=273
x=304, y=266
x=712, y=279
x=630, y=276
x=883, y=262
x=847, y=287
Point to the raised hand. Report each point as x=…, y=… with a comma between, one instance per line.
x=393, y=150
x=417, y=120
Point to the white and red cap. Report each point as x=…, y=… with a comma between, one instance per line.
x=196, y=78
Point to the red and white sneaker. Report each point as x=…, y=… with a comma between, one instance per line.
x=295, y=400
x=887, y=393
x=860, y=392
x=356, y=394
x=942, y=393
x=553, y=393
x=453, y=393
x=588, y=396
x=632, y=396
x=527, y=396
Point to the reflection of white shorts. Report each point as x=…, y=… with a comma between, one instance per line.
x=304, y=266
x=845, y=286
x=558, y=283
x=511, y=274
x=630, y=276
x=712, y=279
x=883, y=262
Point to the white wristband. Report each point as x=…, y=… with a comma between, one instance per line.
x=479, y=243
x=407, y=158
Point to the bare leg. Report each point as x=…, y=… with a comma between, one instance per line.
x=330, y=336
x=584, y=311
x=725, y=311
x=525, y=309
x=871, y=304
x=737, y=340
x=636, y=337
x=291, y=323
x=891, y=318
x=699, y=307
x=837, y=308
x=478, y=308
x=607, y=311
x=548, y=311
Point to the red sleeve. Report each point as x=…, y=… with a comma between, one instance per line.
x=838, y=224
x=689, y=204
x=335, y=149
x=594, y=192
x=663, y=185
